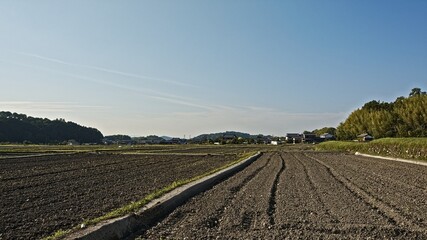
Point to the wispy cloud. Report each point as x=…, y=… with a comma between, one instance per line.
x=203, y=117
x=146, y=92
x=107, y=70
x=49, y=106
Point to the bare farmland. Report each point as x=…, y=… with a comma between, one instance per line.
x=283, y=194
x=306, y=195
x=40, y=195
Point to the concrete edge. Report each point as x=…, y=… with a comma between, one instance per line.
x=123, y=227
x=392, y=159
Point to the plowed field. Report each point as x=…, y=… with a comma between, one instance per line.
x=40, y=195
x=306, y=195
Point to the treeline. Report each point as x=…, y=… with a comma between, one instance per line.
x=233, y=137
x=405, y=117
x=20, y=128
x=318, y=132
x=117, y=138
x=218, y=136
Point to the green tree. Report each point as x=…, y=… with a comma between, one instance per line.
x=405, y=117
x=416, y=92
x=330, y=130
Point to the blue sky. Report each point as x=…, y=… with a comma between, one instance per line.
x=190, y=67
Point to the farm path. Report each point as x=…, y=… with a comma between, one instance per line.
x=306, y=195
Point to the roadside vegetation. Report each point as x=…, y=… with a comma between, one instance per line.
x=399, y=128
x=406, y=148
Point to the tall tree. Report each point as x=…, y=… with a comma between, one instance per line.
x=416, y=92
x=405, y=117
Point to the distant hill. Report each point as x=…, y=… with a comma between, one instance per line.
x=166, y=138
x=216, y=136
x=19, y=128
x=117, y=138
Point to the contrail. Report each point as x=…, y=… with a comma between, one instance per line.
x=146, y=92
x=131, y=75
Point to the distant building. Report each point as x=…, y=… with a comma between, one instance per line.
x=365, y=137
x=309, y=138
x=327, y=136
x=261, y=139
x=178, y=141
x=293, y=137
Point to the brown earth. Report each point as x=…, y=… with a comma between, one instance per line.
x=40, y=195
x=288, y=195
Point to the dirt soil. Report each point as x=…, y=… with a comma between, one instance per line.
x=291, y=195
x=40, y=195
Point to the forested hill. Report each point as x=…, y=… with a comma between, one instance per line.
x=218, y=136
x=19, y=128
x=405, y=117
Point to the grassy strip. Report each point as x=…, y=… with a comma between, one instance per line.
x=58, y=234
x=407, y=148
x=135, y=206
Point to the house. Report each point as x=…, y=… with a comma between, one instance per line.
x=178, y=141
x=72, y=142
x=327, y=136
x=261, y=139
x=365, y=137
x=309, y=138
x=293, y=137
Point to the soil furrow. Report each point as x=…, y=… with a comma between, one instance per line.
x=248, y=210
x=408, y=201
x=209, y=213
x=394, y=216
x=399, y=173
x=273, y=192
x=214, y=220
x=315, y=189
